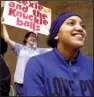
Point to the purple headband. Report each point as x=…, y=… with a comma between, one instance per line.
x=58, y=22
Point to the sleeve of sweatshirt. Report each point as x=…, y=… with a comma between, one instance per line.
x=33, y=79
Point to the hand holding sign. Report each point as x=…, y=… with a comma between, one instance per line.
x=2, y=19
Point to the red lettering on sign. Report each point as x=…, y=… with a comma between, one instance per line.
x=28, y=24
x=36, y=6
x=39, y=18
x=12, y=12
x=11, y=4
x=40, y=7
x=25, y=9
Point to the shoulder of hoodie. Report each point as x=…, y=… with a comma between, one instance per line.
x=42, y=58
x=89, y=61
x=44, y=55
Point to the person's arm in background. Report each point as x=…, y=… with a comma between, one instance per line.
x=6, y=36
x=33, y=79
x=15, y=46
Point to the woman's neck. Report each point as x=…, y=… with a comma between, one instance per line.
x=29, y=45
x=67, y=52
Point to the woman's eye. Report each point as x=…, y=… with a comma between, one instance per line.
x=71, y=23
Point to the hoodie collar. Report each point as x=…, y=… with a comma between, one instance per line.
x=78, y=58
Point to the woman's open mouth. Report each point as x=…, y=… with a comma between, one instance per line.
x=79, y=35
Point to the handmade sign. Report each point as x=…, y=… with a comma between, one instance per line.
x=27, y=15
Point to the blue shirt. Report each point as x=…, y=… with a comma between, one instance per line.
x=50, y=74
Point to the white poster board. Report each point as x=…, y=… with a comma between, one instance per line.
x=28, y=15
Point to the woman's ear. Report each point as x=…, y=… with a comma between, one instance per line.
x=56, y=38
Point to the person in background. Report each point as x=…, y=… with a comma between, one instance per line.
x=64, y=71
x=23, y=52
x=5, y=75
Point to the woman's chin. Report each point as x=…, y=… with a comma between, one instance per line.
x=78, y=45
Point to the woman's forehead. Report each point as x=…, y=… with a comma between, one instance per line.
x=33, y=35
x=74, y=18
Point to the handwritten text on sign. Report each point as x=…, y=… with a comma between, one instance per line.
x=28, y=15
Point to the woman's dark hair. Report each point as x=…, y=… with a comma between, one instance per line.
x=26, y=36
x=51, y=42
x=3, y=46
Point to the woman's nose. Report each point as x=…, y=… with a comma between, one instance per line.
x=79, y=28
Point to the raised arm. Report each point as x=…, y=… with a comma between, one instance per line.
x=6, y=36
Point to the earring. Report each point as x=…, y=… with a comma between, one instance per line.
x=56, y=37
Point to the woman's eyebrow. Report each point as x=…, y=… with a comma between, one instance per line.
x=72, y=19
x=75, y=20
